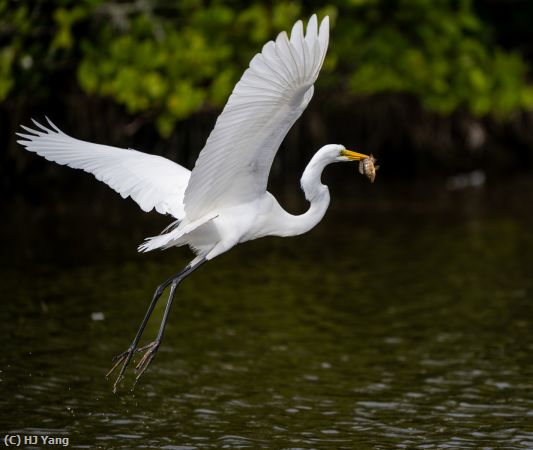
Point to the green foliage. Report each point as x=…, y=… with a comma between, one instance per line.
x=438, y=51
x=175, y=65
x=172, y=59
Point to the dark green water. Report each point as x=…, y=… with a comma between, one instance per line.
x=405, y=320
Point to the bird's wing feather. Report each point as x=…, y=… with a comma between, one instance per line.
x=150, y=180
x=234, y=165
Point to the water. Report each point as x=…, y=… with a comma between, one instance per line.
x=403, y=321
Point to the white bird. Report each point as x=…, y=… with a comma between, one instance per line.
x=223, y=201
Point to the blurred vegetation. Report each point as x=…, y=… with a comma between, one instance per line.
x=169, y=60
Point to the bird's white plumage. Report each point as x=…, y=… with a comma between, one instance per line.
x=150, y=180
x=234, y=165
x=224, y=201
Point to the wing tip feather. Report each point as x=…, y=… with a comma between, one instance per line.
x=323, y=32
x=297, y=33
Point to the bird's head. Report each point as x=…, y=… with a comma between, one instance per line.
x=333, y=153
x=349, y=155
x=337, y=153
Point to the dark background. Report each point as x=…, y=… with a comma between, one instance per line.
x=403, y=320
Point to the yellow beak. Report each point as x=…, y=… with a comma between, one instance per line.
x=353, y=156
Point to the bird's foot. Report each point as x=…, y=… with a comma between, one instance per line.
x=150, y=352
x=124, y=359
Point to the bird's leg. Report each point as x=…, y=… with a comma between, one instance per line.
x=125, y=357
x=151, y=349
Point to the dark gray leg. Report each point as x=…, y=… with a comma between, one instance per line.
x=151, y=349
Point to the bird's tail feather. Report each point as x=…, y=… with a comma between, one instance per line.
x=171, y=227
x=176, y=235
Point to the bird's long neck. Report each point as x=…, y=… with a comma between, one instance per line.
x=316, y=193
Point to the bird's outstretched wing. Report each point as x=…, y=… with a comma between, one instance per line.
x=151, y=180
x=234, y=165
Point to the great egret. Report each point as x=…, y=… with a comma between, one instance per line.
x=223, y=201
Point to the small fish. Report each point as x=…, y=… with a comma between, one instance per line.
x=367, y=167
